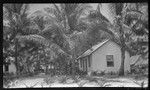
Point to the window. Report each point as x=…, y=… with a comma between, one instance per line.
x=110, y=60
x=89, y=61
x=6, y=67
x=81, y=63
x=86, y=64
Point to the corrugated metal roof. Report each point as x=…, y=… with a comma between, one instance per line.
x=91, y=50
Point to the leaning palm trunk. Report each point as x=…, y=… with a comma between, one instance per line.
x=16, y=56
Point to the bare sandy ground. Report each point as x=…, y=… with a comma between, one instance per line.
x=34, y=82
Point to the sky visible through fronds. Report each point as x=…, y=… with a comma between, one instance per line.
x=35, y=7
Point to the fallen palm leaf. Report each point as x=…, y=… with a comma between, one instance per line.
x=140, y=84
x=31, y=86
x=81, y=83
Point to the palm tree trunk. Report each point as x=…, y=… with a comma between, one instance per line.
x=121, y=71
x=28, y=65
x=46, y=69
x=73, y=67
x=16, y=56
x=38, y=61
x=122, y=40
x=73, y=61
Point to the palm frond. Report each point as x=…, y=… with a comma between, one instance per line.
x=7, y=29
x=112, y=9
x=57, y=8
x=8, y=7
x=40, y=22
x=30, y=30
x=134, y=14
x=54, y=13
x=24, y=9
x=58, y=49
x=9, y=16
x=35, y=38
x=81, y=9
x=53, y=29
x=15, y=8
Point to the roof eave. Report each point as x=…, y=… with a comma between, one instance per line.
x=94, y=50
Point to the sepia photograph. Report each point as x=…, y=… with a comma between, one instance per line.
x=47, y=45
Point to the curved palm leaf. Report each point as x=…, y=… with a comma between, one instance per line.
x=6, y=30
x=17, y=16
x=35, y=38
x=60, y=17
x=54, y=13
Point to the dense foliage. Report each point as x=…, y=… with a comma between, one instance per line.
x=49, y=41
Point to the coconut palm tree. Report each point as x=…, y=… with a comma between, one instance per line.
x=140, y=29
x=50, y=33
x=120, y=29
x=20, y=27
x=62, y=20
x=14, y=14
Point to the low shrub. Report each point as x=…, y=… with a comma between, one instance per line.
x=63, y=79
x=98, y=73
x=91, y=79
x=94, y=73
x=49, y=80
x=102, y=73
x=127, y=72
x=8, y=79
x=112, y=73
x=81, y=84
x=139, y=69
x=79, y=72
x=76, y=78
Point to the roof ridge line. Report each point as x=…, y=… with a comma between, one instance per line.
x=102, y=43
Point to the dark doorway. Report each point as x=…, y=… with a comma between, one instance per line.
x=6, y=68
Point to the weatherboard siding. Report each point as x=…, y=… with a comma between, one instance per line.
x=12, y=68
x=85, y=63
x=99, y=62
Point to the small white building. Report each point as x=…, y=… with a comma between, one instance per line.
x=105, y=56
x=9, y=67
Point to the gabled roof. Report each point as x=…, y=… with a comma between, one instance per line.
x=94, y=48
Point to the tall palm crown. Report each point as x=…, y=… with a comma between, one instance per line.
x=62, y=20
x=128, y=14
x=26, y=29
x=120, y=31
x=16, y=16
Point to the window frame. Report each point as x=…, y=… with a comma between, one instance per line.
x=81, y=63
x=110, y=59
